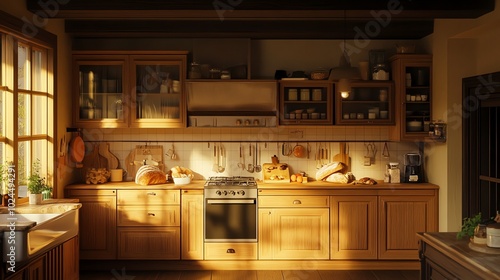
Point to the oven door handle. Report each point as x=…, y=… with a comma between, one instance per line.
x=231, y=201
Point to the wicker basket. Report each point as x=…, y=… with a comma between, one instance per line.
x=319, y=75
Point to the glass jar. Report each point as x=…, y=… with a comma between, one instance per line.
x=215, y=73
x=225, y=75
x=380, y=72
x=194, y=71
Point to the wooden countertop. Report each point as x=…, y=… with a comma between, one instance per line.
x=485, y=264
x=267, y=187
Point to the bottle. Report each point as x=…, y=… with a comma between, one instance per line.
x=194, y=71
x=380, y=72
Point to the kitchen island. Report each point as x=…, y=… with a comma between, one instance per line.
x=443, y=256
x=326, y=225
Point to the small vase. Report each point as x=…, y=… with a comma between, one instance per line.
x=35, y=198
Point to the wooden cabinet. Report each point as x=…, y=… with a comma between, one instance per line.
x=306, y=102
x=295, y=229
x=148, y=223
x=231, y=251
x=129, y=89
x=192, y=225
x=353, y=223
x=412, y=75
x=97, y=222
x=367, y=103
x=402, y=214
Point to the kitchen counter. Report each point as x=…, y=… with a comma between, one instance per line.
x=311, y=185
x=443, y=255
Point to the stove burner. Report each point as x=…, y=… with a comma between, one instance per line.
x=231, y=181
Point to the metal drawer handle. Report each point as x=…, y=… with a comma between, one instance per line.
x=297, y=202
x=151, y=214
x=151, y=193
x=230, y=251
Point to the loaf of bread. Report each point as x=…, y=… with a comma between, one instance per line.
x=328, y=169
x=150, y=175
x=340, y=178
x=367, y=181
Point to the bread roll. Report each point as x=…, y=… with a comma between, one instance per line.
x=181, y=172
x=367, y=181
x=150, y=175
x=329, y=169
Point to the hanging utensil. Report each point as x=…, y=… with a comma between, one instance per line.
x=215, y=166
x=257, y=166
x=222, y=157
x=241, y=163
x=250, y=167
x=385, y=151
x=308, y=150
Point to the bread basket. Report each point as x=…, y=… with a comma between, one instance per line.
x=319, y=75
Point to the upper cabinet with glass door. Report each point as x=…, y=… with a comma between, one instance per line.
x=157, y=90
x=100, y=83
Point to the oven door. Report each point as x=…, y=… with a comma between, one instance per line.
x=230, y=220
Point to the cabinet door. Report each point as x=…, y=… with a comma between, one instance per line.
x=71, y=260
x=400, y=219
x=295, y=233
x=99, y=91
x=98, y=226
x=192, y=225
x=36, y=269
x=157, y=91
x=367, y=103
x=353, y=227
x=412, y=75
x=153, y=243
x=306, y=102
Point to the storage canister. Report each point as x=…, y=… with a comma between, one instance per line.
x=493, y=235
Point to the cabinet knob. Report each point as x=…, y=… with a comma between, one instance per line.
x=151, y=193
x=151, y=214
x=297, y=201
x=230, y=251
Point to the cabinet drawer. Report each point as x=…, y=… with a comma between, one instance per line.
x=230, y=251
x=294, y=201
x=78, y=193
x=148, y=216
x=159, y=243
x=148, y=197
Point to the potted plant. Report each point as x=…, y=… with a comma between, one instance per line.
x=471, y=228
x=36, y=184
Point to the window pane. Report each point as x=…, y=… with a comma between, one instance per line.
x=39, y=115
x=23, y=163
x=2, y=105
x=39, y=61
x=23, y=67
x=23, y=117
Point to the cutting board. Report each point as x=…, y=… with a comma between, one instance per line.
x=112, y=160
x=276, y=173
x=151, y=155
x=343, y=156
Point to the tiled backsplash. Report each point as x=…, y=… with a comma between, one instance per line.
x=194, y=147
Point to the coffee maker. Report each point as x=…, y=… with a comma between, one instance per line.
x=413, y=168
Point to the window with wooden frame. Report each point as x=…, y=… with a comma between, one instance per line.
x=27, y=97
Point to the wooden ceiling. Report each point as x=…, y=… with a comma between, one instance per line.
x=276, y=19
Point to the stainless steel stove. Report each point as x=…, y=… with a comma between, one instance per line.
x=230, y=209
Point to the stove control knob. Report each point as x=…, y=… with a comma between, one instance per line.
x=225, y=192
x=247, y=122
x=238, y=122
x=218, y=192
x=232, y=192
x=256, y=122
x=242, y=192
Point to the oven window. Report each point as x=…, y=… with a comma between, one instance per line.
x=230, y=221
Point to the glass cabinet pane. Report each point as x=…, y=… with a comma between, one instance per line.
x=158, y=90
x=100, y=88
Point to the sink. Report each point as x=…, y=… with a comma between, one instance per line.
x=36, y=232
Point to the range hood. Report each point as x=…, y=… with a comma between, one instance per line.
x=232, y=103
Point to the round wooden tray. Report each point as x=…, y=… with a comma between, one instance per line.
x=483, y=248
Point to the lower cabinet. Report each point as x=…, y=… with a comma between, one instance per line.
x=353, y=222
x=60, y=263
x=294, y=227
x=97, y=222
x=148, y=223
x=402, y=214
x=192, y=224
